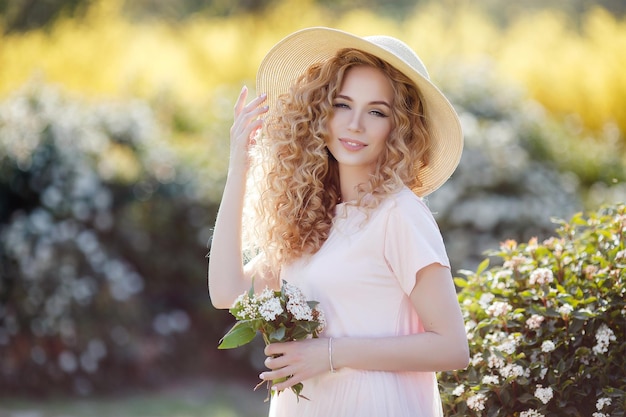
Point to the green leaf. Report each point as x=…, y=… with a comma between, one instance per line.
x=240, y=334
x=460, y=282
x=278, y=335
x=526, y=398
x=482, y=266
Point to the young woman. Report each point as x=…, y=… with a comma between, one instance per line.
x=346, y=138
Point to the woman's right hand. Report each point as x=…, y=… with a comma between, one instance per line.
x=227, y=278
x=245, y=127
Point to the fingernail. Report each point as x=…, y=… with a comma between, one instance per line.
x=262, y=375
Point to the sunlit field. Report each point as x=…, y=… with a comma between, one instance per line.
x=567, y=68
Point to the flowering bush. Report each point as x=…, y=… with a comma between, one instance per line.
x=547, y=325
x=280, y=316
x=88, y=193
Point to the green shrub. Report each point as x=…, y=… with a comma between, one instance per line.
x=546, y=326
x=102, y=271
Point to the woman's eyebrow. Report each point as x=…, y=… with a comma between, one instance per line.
x=378, y=102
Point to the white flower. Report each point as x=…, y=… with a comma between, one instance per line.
x=509, y=345
x=477, y=402
x=515, y=262
x=495, y=362
x=544, y=394
x=296, y=303
x=270, y=309
x=541, y=276
x=620, y=255
x=477, y=359
x=599, y=415
x=531, y=413
x=499, y=308
x=547, y=346
x=300, y=309
x=491, y=379
x=534, y=322
x=248, y=308
x=459, y=390
x=265, y=295
x=318, y=316
x=604, y=336
x=486, y=299
x=565, y=309
x=512, y=370
x=470, y=325
x=496, y=337
x=602, y=402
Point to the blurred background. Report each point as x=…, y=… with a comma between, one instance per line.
x=114, y=120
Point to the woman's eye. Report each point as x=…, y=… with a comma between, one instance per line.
x=341, y=106
x=378, y=113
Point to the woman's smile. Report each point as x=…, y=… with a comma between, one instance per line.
x=351, y=144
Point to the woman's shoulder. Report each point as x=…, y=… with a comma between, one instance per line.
x=406, y=201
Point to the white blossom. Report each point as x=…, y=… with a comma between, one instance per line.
x=486, y=299
x=513, y=370
x=599, y=415
x=515, y=262
x=508, y=346
x=247, y=307
x=300, y=309
x=499, y=308
x=604, y=336
x=477, y=402
x=531, y=413
x=544, y=394
x=603, y=402
x=491, y=379
x=565, y=310
x=534, y=322
x=318, y=316
x=541, y=276
x=477, y=359
x=495, y=362
x=459, y=390
x=270, y=309
x=547, y=346
x=264, y=295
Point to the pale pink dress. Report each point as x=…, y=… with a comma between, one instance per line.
x=362, y=277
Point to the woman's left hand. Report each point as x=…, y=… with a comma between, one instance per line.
x=296, y=361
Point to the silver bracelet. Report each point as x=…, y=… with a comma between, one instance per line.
x=330, y=355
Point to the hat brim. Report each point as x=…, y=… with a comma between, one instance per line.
x=291, y=57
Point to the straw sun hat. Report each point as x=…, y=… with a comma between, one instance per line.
x=290, y=58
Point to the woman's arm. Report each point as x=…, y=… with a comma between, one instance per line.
x=442, y=346
x=226, y=273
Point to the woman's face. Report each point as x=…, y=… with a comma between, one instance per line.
x=361, y=119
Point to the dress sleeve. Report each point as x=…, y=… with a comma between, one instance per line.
x=412, y=241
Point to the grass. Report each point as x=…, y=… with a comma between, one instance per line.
x=197, y=399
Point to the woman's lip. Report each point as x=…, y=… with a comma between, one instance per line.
x=351, y=144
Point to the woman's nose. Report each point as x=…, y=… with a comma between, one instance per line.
x=355, y=124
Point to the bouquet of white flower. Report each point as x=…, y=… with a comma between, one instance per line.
x=280, y=316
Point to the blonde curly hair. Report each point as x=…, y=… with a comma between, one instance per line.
x=296, y=179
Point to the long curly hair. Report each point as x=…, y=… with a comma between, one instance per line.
x=296, y=179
